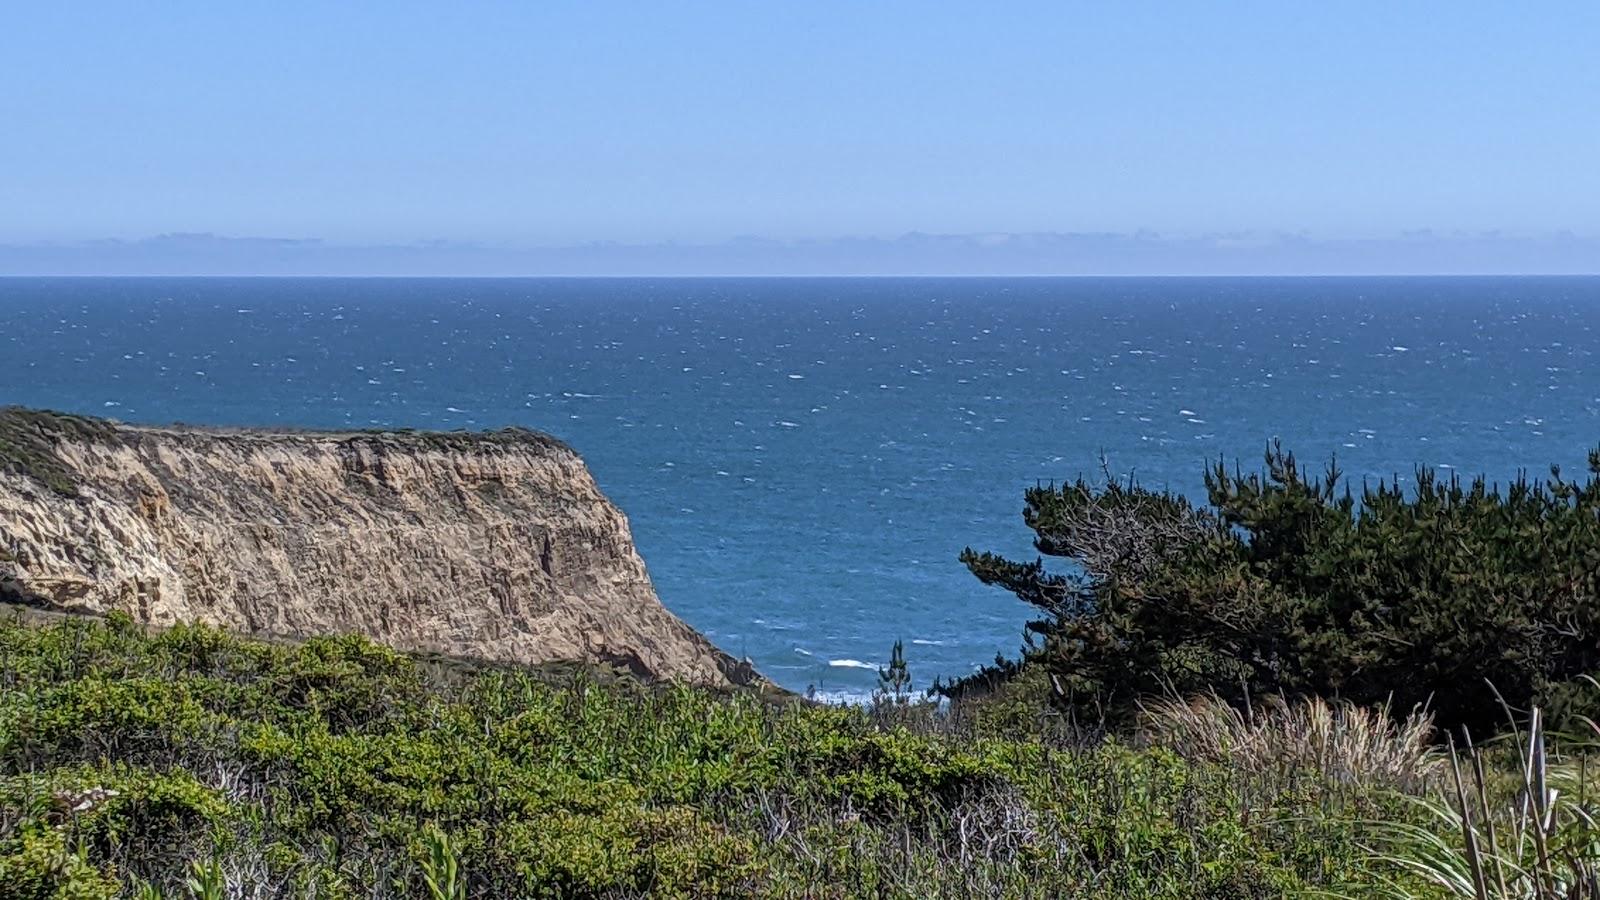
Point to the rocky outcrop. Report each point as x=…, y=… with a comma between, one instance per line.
x=493, y=545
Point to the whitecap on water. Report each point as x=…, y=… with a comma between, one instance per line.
x=850, y=664
x=842, y=698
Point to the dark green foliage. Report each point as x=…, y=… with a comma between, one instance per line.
x=477, y=440
x=1292, y=584
x=28, y=440
x=337, y=768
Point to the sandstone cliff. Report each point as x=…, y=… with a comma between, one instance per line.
x=493, y=545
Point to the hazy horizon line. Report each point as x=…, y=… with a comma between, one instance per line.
x=914, y=254
x=791, y=276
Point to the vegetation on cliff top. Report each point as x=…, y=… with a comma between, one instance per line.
x=28, y=439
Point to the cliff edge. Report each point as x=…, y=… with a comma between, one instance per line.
x=494, y=545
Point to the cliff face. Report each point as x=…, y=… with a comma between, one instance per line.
x=495, y=545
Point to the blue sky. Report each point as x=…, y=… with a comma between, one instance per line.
x=548, y=123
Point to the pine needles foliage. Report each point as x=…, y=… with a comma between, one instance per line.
x=1286, y=583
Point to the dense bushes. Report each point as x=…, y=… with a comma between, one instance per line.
x=1438, y=595
x=337, y=768
x=193, y=763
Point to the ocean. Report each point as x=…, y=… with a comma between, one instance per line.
x=803, y=459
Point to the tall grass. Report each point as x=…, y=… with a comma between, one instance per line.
x=1339, y=743
x=1518, y=819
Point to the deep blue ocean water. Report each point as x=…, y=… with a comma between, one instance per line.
x=803, y=459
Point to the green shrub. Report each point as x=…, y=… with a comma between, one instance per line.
x=336, y=768
x=37, y=865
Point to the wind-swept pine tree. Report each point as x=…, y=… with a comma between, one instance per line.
x=1441, y=594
